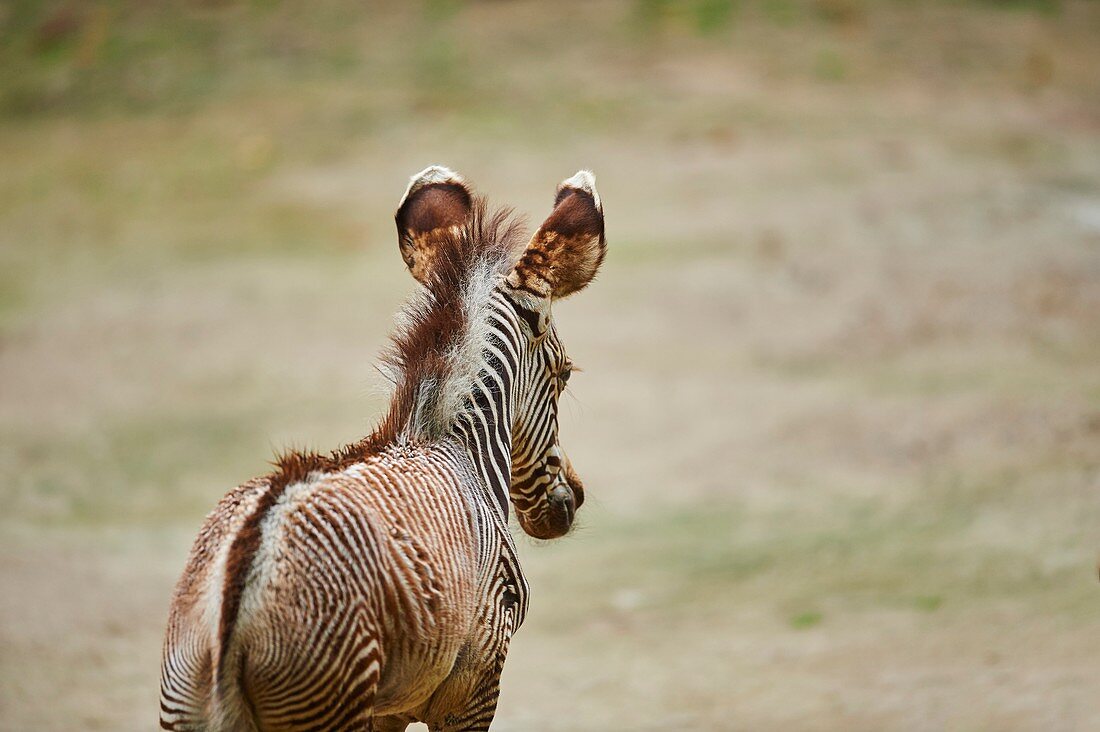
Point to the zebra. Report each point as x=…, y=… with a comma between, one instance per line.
x=379, y=585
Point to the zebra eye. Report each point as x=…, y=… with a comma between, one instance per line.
x=565, y=374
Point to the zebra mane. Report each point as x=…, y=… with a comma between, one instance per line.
x=436, y=350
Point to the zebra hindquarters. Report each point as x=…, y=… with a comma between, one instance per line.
x=318, y=673
x=185, y=676
x=190, y=698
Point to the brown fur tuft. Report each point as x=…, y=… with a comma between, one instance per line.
x=435, y=325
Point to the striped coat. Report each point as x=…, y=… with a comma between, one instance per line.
x=379, y=585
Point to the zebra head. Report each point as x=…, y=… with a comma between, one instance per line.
x=561, y=258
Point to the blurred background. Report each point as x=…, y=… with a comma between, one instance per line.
x=840, y=410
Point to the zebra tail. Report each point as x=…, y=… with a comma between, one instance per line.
x=231, y=710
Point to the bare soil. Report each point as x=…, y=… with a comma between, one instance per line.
x=839, y=414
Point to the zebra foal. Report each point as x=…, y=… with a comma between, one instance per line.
x=378, y=585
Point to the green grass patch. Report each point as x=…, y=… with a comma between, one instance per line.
x=157, y=469
x=806, y=620
x=858, y=557
x=928, y=603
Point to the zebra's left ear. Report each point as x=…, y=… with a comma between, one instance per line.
x=437, y=201
x=569, y=247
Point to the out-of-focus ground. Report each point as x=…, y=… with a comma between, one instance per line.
x=840, y=410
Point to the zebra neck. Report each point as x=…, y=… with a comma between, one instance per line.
x=484, y=427
x=485, y=434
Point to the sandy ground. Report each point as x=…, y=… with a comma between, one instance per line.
x=839, y=414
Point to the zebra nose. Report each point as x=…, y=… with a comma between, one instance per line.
x=564, y=503
x=576, y=485
x=556, y=519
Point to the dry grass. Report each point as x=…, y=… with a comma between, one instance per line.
x=840, y=410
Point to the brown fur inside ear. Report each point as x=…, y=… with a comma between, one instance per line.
x=428, y=214
x=566, y=251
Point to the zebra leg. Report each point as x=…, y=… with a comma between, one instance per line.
x=467, y=700
x=478, y=717
x=478, y=709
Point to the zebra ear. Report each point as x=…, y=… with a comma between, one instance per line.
x=566, y=251
x=436, y=202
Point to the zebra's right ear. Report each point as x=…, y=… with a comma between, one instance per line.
x=437, y=201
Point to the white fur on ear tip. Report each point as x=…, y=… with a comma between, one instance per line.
x=429, y=176
x=584, y=180
x=437, y=174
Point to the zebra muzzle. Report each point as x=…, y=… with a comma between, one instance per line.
x=557, y=515
x=561, y=510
